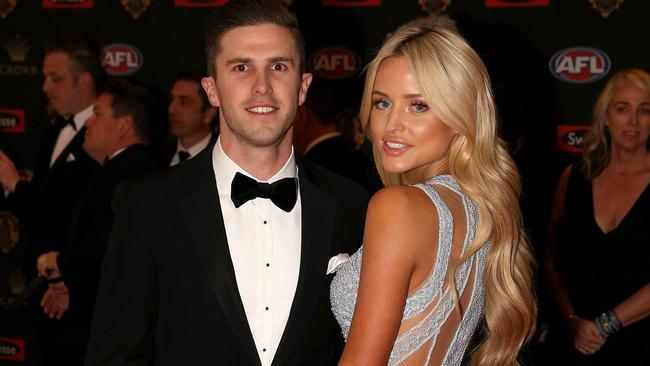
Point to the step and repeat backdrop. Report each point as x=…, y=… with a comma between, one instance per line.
x=548, y=60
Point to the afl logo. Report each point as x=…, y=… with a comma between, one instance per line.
x=121, y=59
x=335, y=63
x=579, y=64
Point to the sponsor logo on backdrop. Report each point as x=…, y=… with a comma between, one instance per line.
x=67, y=4
x=6, y=7
x=199, y=3
x=335, y=62
x=17, y=48
x=121, y=59
x=605, y=7
x=579, y=64
x=515, y=3
x=12, y=120
x=9, y=235
x=12, y=349
x=434, y=6
x=351, y=2
x=569, y=138
x=136, y=7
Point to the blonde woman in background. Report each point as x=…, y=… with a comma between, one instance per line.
x=444, y=250
x=598, y=247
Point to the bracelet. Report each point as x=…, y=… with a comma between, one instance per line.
x=607, y=323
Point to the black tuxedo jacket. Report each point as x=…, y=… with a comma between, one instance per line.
x=168, y=293
x=46, y=203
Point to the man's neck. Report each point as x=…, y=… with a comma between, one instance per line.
x=262, y=162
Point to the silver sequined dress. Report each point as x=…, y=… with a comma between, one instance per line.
x=427, y=310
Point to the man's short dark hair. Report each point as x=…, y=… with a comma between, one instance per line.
x=241, y=13
x=134, y=100
x=195, y=77
x=83, y=53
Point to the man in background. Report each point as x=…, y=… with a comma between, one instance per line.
x=116, y=137
x=190, y=118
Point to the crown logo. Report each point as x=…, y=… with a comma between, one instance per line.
x=9, y=231
x=17, y=48
x=605, y=7
x=6, y=7
x=136, y=7
x=16, y=282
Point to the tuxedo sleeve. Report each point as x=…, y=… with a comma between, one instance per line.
x=126, y=308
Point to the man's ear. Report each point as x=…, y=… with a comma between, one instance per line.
x=86, y=80
x=304, y=85
x=210, y=87
x=125, y=126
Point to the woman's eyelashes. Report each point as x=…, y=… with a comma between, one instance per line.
x=415, y=106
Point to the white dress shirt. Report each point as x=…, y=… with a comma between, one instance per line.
x=264, y=243
x=67, y=133
x=193, y=150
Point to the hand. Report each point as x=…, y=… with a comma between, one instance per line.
x=586, y=337
x=56, y=300
x=9, y=176
x=47, y=266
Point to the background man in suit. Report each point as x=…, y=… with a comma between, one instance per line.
x=190, y=118
x=206, y=265
x=72, y=73
x=115, y=137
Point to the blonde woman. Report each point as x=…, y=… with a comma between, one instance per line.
x=597, y=254
x=444, y=251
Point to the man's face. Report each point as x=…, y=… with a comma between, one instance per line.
x=61, y=85
x=186, y=116
x=258, y=85
x=102, y=130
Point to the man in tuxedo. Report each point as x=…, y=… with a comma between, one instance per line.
x=190, y=118
x=115, y=137
x=223, y=260
x=72, y=73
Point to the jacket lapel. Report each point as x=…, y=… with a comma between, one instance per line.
x=202, y=216
x=318, y=212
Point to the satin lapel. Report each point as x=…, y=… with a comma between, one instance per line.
x=202, y=216
x=318, y=212
x=76, y=141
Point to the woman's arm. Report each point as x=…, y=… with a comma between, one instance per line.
x=635, y=307
x=397, y=224
x=586, y=337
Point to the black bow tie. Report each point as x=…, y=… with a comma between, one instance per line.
x=282, y=193
x=61, y=122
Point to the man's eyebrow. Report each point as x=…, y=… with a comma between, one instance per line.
x=238, y=60
x=247, y=60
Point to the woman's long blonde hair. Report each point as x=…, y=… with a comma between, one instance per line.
x=455, y=83
x=596, y=146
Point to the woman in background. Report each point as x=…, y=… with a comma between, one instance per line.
x=597, y=259
x=444, y=249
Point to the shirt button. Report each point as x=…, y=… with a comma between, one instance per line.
x=263, y=349
x=264, y=222
x=268, y=264
x=266, y=308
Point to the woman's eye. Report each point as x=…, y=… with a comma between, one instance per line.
x=241, y=68
x=381, y=104
x=419, y=107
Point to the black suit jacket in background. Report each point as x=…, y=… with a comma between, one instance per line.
x=64, y=341
x=168, y=293
x=45, y=204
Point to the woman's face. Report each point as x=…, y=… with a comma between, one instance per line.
x=409, y=137
x=628, y=117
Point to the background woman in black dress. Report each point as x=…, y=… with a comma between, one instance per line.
x=597, y=260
